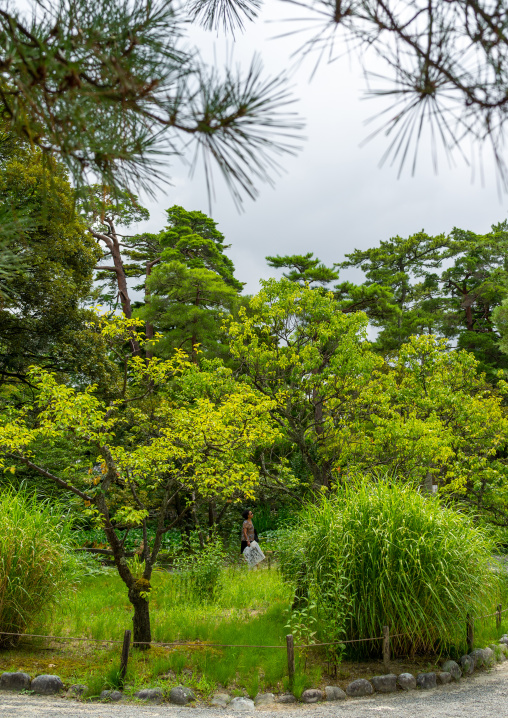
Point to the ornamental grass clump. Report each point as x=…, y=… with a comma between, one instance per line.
x=380, y=553
x=35, y=561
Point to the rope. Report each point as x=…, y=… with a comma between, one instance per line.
x=201, y=644
x=490, y=615
x=60, y=638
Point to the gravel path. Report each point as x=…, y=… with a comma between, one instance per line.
x=484, y=695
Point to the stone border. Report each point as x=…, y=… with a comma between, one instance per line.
x=181, y=695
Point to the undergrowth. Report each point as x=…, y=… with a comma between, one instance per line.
x=247, y=608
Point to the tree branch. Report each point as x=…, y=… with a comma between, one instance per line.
x=51, y=476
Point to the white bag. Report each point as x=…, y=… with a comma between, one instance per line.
x=253, y=554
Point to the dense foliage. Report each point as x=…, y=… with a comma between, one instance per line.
x=380, y=553
x=35, y=560
x=171, y=411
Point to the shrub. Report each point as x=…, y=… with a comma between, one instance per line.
x=381, y=553
x=34, y=560
x=203, y=567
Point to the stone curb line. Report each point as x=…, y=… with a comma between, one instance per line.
x=451, y=671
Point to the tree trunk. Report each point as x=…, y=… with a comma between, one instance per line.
x=148, y=326
x=212, y=516
x=141, y=619
x=112, y=243
x=194, y=337
x=196, y=523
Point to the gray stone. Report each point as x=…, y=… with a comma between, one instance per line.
x=467, y=665
x=334, y=693
x=504, y=649
x=406, y=681
x=264, y=699
x=454, y=670
x=15, y=681
x=286, y=698
x=151, y=695
x=360, y=687
x=46, y=685
x=499, y=654
x=220, y=699
x=504, y=639
x=77, y=690
x=426, y=680
x=241, y=704
x=443, y=678
x=489, y=657
x=479, y=658
x=113, y=696
x=311, y=695
x=384, y=684
x=181, y=695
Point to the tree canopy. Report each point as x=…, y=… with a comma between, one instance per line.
x=148, y=448
x=41, y=315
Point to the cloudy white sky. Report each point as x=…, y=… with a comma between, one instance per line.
x=332, y=197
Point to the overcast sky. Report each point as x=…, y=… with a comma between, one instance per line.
x=333, y=197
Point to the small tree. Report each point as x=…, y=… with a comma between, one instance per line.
x=147, y=451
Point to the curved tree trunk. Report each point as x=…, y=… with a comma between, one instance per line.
x=141, y=619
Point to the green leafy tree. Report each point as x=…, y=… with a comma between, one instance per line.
x=193, y=238
x=443, y=285
x=186, y=306
x=307, y=270
x=472, y=287
x=426, y=412
x=187, y=278
x=41, y=319
x=299, y=349
x=148, y=451
x=399, y=265
x=303, y=268
x=429, y=415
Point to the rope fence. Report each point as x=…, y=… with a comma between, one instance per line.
x=290, y=645
x=192, y=644
x=490, y=615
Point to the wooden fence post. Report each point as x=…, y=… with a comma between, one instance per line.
x=386, y=647
x=469, y=632
x=291, y=659
x=125, y=654
x=498, y=616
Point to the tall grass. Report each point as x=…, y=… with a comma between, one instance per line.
x=34, y=560
x=381, y=553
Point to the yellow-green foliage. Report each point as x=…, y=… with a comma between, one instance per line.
x=34, y=562
x=164, y=443
x=424, y=412
x=428, y=412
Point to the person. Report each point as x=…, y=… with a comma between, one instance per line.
x=248, y=531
